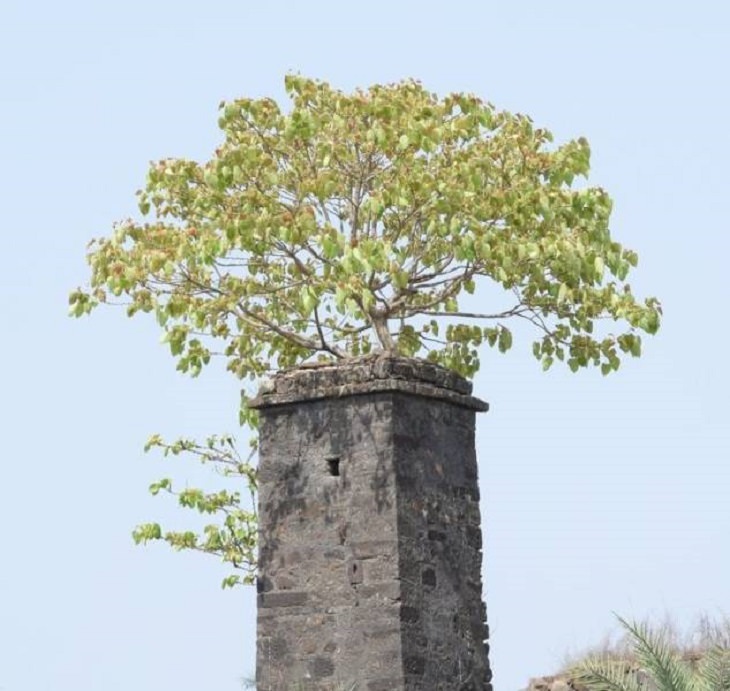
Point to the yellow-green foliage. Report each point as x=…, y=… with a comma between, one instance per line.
x=358, y=221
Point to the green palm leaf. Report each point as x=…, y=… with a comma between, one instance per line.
x=657, y=658
x=655, y=665
x=604, y=673
x=713, y=672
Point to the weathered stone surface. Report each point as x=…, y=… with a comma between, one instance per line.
x=367, y=375
x=370, y=544
x=564, y=681
x=555, y=683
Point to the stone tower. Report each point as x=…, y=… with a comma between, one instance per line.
x=371, y=547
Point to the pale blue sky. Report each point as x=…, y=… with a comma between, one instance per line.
x=598, y=495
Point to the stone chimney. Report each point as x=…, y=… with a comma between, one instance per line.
x=370, y=532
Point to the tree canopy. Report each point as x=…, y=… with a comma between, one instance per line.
x=360, y=222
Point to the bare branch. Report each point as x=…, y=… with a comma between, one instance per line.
x=515, y=311
x=326, y=346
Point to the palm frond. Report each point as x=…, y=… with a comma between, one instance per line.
x=654, y=654
x=713, y=671
x=604, y=673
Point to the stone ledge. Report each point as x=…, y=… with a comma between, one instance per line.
x=283, y=598
x=361, y=376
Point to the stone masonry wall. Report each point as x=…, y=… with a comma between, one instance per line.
x=440, y=546
x=370, y=543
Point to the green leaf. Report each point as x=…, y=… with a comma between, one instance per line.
x=599, y=266
x=505, y=340
x=563, y=292
x=308, y=300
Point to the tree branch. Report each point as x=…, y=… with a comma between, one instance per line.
x=326, y=346
x=515, y=311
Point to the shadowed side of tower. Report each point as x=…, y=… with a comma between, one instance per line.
x=370, y=537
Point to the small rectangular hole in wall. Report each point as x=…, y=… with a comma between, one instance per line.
x=333, y=465
x=354, y=572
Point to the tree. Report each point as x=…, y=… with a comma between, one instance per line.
x=655, y=665
x=354, y=224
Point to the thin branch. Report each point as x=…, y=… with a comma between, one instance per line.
x=515, y=311
x=326, y=346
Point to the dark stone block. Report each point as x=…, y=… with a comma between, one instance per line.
x=285, y=598
x=474, y=537
x=278, y=648
x=436, y=535
x=415, y=665
x=410, y=615
x=428, y=577
x=322, y=667
x=263, y=584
